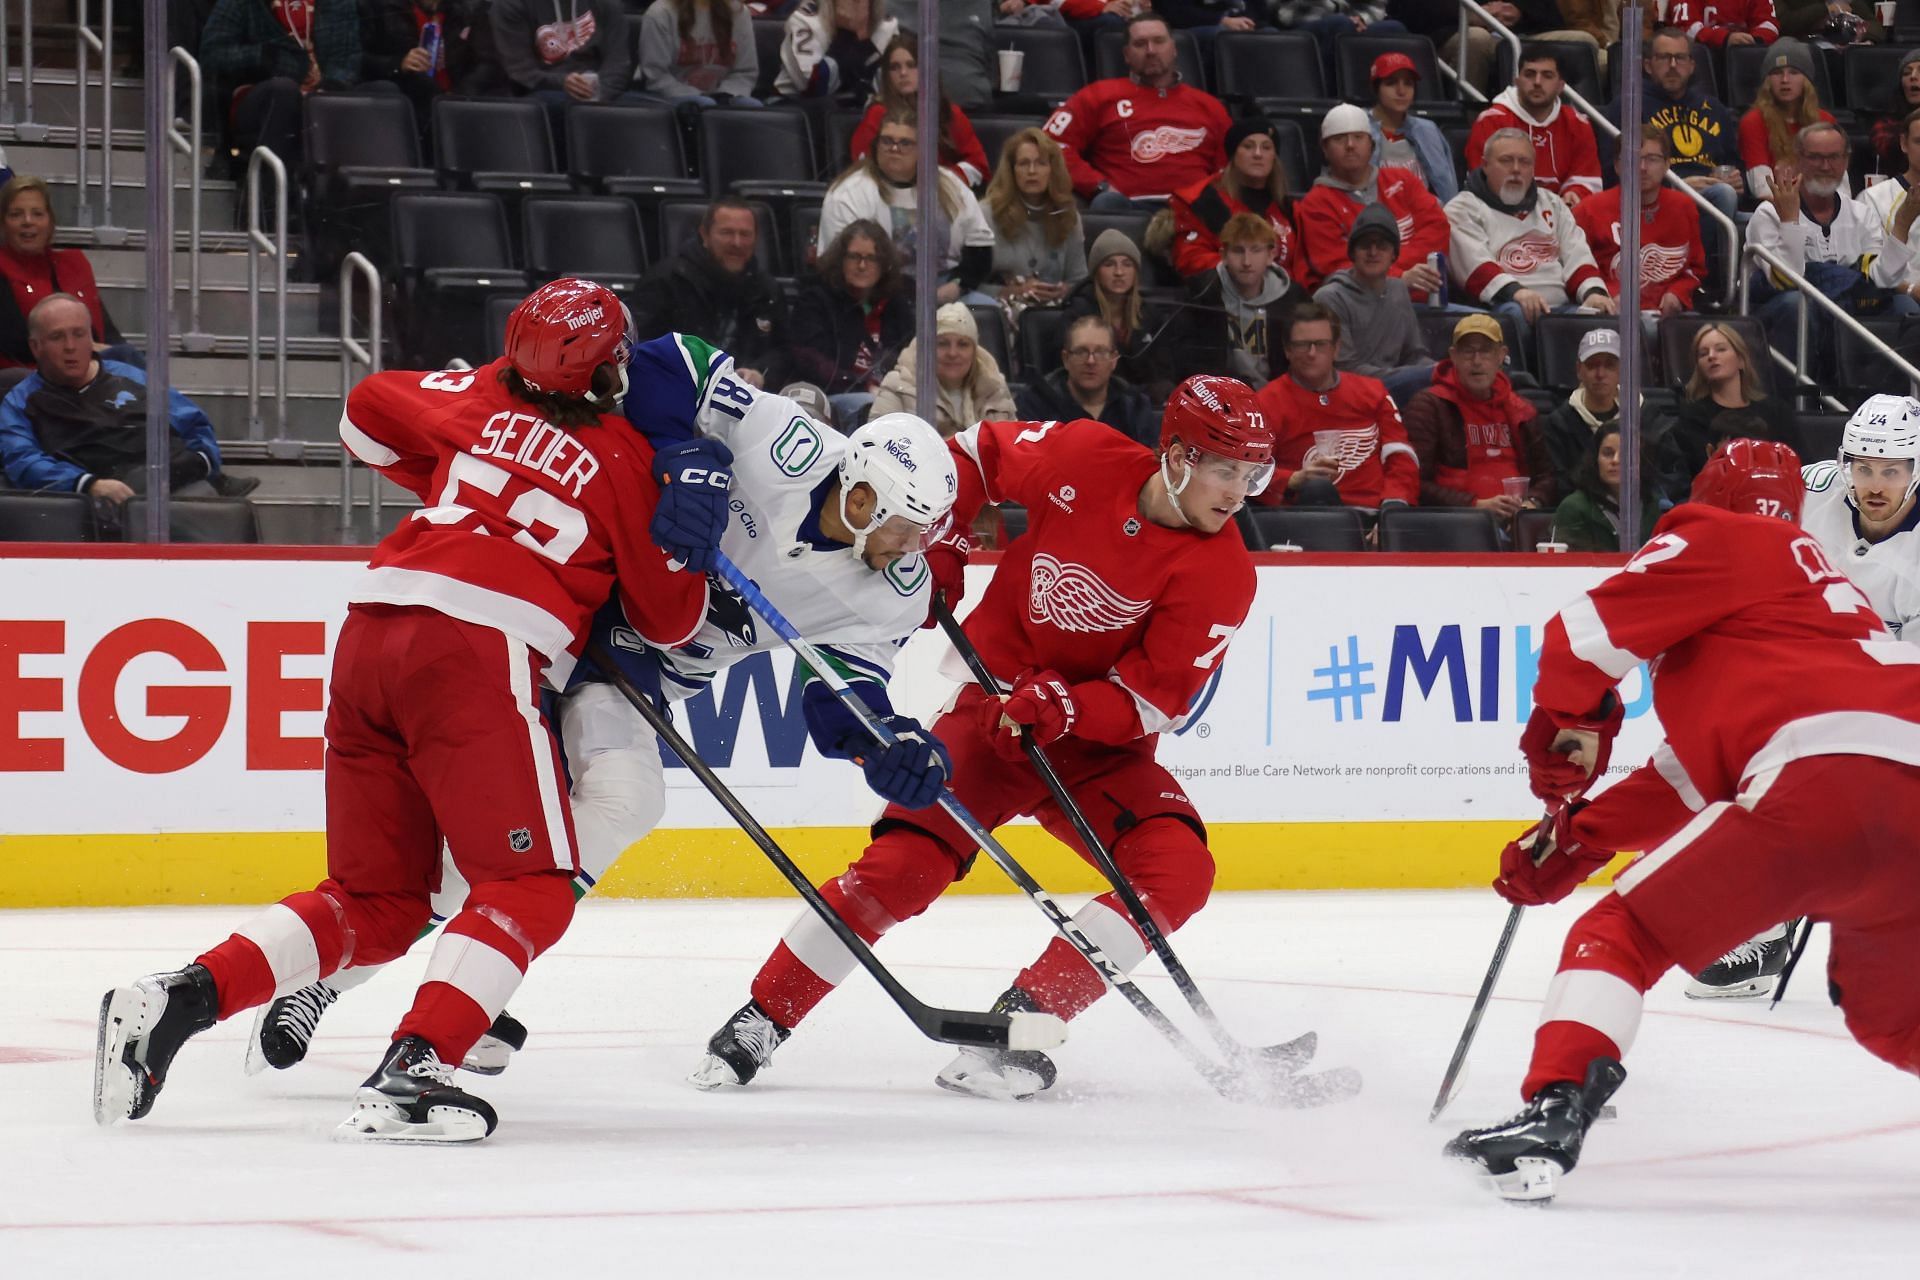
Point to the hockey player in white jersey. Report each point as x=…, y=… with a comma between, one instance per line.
x=830, y=526
x=1861, y=507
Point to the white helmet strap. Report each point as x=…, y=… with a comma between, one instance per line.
x=1186, y=477
x=862, y=532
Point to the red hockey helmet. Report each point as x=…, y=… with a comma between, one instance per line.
x=1752, y=477
x=564, y=331
x=1219, y=416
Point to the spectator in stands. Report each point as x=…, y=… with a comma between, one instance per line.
x=1569, y=430
x=1439, y=21
x=1834, y=241
x=813, y=402
x=1516, y=248
x=1473, y=434
x=1370, y=464
x=1086, y=386
x=1039, y=251
x=1883, y=198
x=31, y=269
x=897, y=88
x=430, y=47
x=1890, y=129
x=852, y=318
x=698, y=53
x=1836, y=23
x=1233, y=317
x=881, y=187
x=1722, y=402
x=1347, y=185
x=6, y=170
x=969, y=61
x=1786, y=102
x=1566, y=158
x=1252, y=182
x=264, y=57
x=1703, y=144
x=715, y=287
x=1588, y=518
x=971, y=386
x=1402, y=140
x=1113, y=293
x=1327, y=20
x=832, y=49
x=1140, y=138
x=579, y=53
x=1725, y=24
x=78, y=424
x=1373, y=313
x=1673, y=260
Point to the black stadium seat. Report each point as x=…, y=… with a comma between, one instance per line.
x=451, y=251
x=993, y=132
x=1042, y=336
x=45, y=517
x=1303, y=528
x=499, y=310
x=598, y=237
x=1109, y=59
x=840, y=127
x=628, y=151
x=768, y=36
x=1053, y=69
x=1531, y=528
x=758, y=154
x=1451, y=529
x=1267, y=64
x=496, y=144
x=992, y=324
x=360, y=150
x=218, y=520
x=1820, y=436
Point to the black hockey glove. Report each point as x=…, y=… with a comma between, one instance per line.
x=692, y=512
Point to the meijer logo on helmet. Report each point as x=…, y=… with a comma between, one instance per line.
x=586, y=318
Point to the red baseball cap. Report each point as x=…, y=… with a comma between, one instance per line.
x=1390, y=64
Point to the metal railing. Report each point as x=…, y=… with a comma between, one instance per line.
x=194, y=339
x=257, y=242
x=357, y=264
x=1774, y=262
x=104, y=231
x=27, y=129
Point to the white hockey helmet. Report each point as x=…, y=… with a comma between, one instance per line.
x=1884, y=426
x=905, y=462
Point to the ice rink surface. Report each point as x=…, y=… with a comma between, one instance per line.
x=1748, y=1142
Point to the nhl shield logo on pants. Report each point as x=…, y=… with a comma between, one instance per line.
x=520, y=840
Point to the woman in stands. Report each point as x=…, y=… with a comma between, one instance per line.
x=852, y=318
x=31, y=268
x=1889, y=130
x=1786, y=103
x=972, y=388
x=1254, y=181
x=1039, y=251
x=897, y=88
x=881, y=188
x=1402, y=140
x=1588, y=519
x=1113, y=293
x=1723, y=401
x=698, y=53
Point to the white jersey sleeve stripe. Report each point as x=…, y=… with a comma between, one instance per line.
x=1587, y=637
x=1839, y=733
x=363, y=446
x=1152, y=718
x=969, y=443
x=1674, y=774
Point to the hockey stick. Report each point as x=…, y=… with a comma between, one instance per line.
x=1289, y=1056
x=951, y=1026
x=1308, y=1090
x=1480, y=1002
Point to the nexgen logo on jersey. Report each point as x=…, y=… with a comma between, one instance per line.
x=1073, y=598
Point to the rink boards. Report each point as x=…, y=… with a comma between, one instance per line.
x=160, y=719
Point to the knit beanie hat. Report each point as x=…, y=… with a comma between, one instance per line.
x=955, y=318
x=1789, y=53
x=1112, y=241
x=1375, y=218
x=1240, y=130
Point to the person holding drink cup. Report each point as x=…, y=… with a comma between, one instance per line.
x=1472, y=433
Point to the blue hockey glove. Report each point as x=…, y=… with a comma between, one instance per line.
x=911, y=772
x=692, y=512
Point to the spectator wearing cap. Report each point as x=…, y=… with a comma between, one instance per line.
x=1673, y=261
x=1327, y=20
x=1112, y=291
x=1889, y=129
x=969, y=385
x=1368, y=463
x=1379, y=333
x=1516, y=247
x=1725, y=24
x=1348, y=184
x=1143, y=136
x=1402, y=140
x=813, y=402
x=1566, y=157
x=1085, y=386
x=1473, y=434
x=1786, y=102
x=1232, y=320
x=1568, y=431
x=1254, y=181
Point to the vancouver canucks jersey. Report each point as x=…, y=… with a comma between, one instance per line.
x=783, y=463
x=1887, y=571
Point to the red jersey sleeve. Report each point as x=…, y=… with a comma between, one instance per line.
x=1484, y=126
x=1005, y=462
x=1323, y=227
x=1644, y=808
x=1187, y=636
x=865, y=132
x=1754, y=151
x=1583, y=168
x=1432, y=233
x=1072, y=127
x=385, y=426
x=967, y=143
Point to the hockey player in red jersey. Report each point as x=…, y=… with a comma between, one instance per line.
x=1102, y=622
x=1785, y=788
x=536, y=507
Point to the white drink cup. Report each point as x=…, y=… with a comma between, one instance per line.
x=1012, y=63
x=1885, y=10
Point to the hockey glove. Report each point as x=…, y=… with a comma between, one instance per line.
x=912, y=772
x=947, y=560
x=1549, y=860
x=692, y=511
x=1042, y=703
x=1566, y=753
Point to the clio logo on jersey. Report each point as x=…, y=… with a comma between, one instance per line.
x=1073, y=598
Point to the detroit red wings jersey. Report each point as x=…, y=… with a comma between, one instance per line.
x=1142, y=142
x=1376, y=462
x=1326, y=213
x=1712, y=21
x=1672, y=257
x=1093, y=590
x=525, y=526
x=1763, y=653
x=1543, y=249
x=1566, y=159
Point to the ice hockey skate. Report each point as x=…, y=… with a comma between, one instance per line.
x=1005, y=1075
x=1748, y=972
x=283, y=1028
x=492, y=1051
x=738, y=1051
x=1524, y=1157
x=411, y=1097
x=141, y=1027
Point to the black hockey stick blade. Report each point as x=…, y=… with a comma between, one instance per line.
x=1022, y=1030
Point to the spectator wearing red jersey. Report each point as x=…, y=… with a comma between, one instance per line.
x=1786, y=103
x=1725, y=24
x=1349, y=183
x=1371, y=464
x=1253, y=182
x=1402, y=140
x=1673, y=261
x=1566, y=157
x=1141, y=137
x=898, y=85
x=1472, y=433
